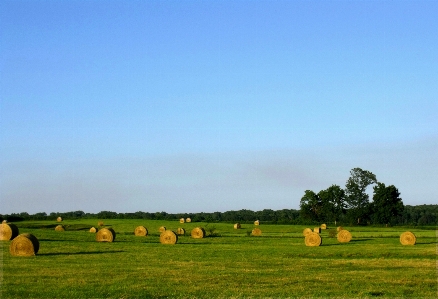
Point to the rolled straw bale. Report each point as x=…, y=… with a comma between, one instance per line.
x=256, y=222
x=307, y=231
x=168, y=237
x=313, y=239
x=59, y=219
x=141, y=231
x=100, y=223
x=408, y=238
x=237, y=226
x=317, y=230
x=93, y=230
x=198, y=233
x=60, y=228
x=339, y=228
x=256, y=232
x=162, y=229
x=24, y=245
x=344, y=236
x=105, y=235
x=323, y=226
x=180, y=231
x=8, y=231
x=181, y=220
x=188, y=220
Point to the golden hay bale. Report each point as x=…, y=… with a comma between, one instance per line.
x=408, y=238
x=339, y=228
x=188, y=220
x=8, y=231
x=256, y=232
x=141, y=231
x=24, y=245
x=256, y=222
x=60, y=228
x=5, y=221
x=317, y=230
x=313, y=239
x=93, y=230
x=198, y=233
x=237, y=226
x=100, y=223
x=180, y=231
x=181, y=220
x=168, y=237
x=307, y=231
x=344, y=236
x=59, y=219
x=162, y=229
x=105, y=235
x=323, y=226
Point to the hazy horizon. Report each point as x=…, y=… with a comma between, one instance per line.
x=204, y=106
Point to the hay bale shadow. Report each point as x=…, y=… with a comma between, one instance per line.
x=81, y=252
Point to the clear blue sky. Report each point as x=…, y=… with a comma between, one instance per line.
x=190, y=106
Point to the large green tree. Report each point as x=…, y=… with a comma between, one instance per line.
x=333, y=203
x=356, y=197
x=311, y=206
x=387, y=204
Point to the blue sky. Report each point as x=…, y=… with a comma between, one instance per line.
x=202, y=106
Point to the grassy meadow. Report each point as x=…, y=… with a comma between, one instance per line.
x=228, y=263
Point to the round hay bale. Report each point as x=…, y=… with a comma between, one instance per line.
x=256, y=232
x=313, y=239
x=24, y=245
x=60, y=228
x=188, y=220
x=339, y=228
x=198, y=233
x=100, y=223
x=162, y=229
x=408, y=238
x=237, y=226
x=344, y=236
x=105, y=235
x=168, y=237
x=141, y=231
x=323, y=226
x=317, y=230
x=256, y=222
x=307, y=231
x=5, y=221
x=180, y=231
x=93, y=230
x=8, y=231
x=59, y=219
x=181, y=220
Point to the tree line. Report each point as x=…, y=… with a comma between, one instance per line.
x=285, y=216
x=421, y=215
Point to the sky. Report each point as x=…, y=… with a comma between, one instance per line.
x=204, y=106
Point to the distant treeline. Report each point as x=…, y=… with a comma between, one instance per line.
x=411, y=215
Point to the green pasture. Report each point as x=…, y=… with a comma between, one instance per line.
x=228, y=263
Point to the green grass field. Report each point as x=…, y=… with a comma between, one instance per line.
x=227, y=264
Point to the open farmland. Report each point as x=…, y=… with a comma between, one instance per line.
x=228, y=263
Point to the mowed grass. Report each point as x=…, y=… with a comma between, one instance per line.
x=227, y=264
